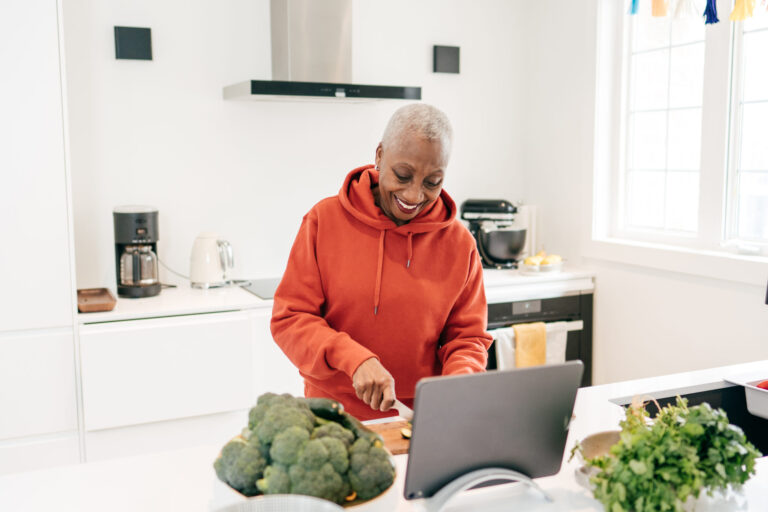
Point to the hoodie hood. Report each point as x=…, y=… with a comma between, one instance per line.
x=357, y=198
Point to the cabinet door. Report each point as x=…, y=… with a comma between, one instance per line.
x=213, y=430
x=37, y=383
x=273, y=371
x=35, y=258
x=158, y=369
x=39, y=453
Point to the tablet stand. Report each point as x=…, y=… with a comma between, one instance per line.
x=438, y=501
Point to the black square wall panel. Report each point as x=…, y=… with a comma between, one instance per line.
x=133, y=43
x=446, y=59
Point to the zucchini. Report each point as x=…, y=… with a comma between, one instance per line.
x=326, y=408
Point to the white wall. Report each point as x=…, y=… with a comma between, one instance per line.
x=159, y=133
x=647, y=322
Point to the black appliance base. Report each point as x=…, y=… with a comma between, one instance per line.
x=138, y=292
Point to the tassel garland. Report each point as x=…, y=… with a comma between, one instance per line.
x=742, y=10
x=659, y=8
x=633, y=7
x=710, y=13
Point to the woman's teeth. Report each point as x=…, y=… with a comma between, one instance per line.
x=406, y=206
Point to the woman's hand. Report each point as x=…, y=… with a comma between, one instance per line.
x=374, y=385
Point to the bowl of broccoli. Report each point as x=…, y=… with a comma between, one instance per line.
x=306, y=446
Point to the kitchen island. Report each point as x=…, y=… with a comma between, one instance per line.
x=184, y=480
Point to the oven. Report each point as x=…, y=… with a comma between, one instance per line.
x=573, y=307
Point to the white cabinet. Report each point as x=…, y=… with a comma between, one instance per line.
x=273, y=371
x=35, y=255
x=37, y=383
x=158, y=369
x=214, y=429
x=38, y=453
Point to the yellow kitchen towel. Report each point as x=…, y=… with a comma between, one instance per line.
x=530, y=344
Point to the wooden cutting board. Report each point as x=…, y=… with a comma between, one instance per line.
x=393, y=439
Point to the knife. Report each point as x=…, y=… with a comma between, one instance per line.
x=405, y=411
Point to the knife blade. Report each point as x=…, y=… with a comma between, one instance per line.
x=405, y=411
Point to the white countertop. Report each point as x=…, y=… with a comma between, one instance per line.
x=514, y=285
x=184, y=480
x=183, y=300
x=501, y=286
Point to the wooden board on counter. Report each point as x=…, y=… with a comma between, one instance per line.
x=393, y=439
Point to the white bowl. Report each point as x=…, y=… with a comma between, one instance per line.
x=757, y=398
x=282, y=503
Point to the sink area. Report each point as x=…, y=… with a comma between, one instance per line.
x=729, y=398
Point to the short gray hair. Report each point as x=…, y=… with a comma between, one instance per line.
x=421, y=119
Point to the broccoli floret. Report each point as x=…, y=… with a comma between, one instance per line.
x=370, y=469
x=315, y=467
x=280, y=417
x=334, y=430
x=323, y=482
x=275, y=481
x=266, y=401
x=288, y=444
x=241, y=463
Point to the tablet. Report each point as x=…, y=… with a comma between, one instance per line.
x=516, y=419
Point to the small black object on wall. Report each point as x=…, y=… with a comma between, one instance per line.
x=133, y=43
x=445, y=59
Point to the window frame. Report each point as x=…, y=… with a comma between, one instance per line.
x=601, y=241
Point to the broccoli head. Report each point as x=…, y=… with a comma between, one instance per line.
x=268, y=400
x=275, y=481
x=314, y=467
x=288, y=444
x=370, y=469
x=336, y=431
x=240, y=464
x=323, y=482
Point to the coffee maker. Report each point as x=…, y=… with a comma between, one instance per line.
x=136, y=234
x=500, y=240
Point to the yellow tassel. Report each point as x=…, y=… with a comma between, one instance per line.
x=659, y=8
x=742, y=10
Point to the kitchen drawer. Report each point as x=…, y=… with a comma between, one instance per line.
x=213, y=429
x=37, y=383
x=30, y=454
x=159, y=369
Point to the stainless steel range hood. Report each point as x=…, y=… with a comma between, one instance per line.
x=312, y=57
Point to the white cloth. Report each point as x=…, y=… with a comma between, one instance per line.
x=557, y=338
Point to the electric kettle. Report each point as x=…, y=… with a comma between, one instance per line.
x=211, y=259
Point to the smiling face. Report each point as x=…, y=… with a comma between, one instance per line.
x=411, y=175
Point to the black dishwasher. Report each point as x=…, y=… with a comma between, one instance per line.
x=570, y=308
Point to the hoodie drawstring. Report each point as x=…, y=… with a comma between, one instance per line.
x=410, y=249
x=380, y=264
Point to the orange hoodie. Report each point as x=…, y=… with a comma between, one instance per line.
x=358, y=286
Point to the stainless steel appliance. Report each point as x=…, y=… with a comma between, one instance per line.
x=136, y=235
x=572, y=307
x=500, y=241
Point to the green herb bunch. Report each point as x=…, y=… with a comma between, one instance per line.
x=657, y=466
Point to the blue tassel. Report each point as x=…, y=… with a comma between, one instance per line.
x=711, y=12
x=633, y=8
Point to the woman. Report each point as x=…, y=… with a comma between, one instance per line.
x=383, y=285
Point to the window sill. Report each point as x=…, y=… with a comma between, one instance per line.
x=714, y=265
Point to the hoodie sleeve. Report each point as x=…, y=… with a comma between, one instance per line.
x=297, y=324
x=464, y=340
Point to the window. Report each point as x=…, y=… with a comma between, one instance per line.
x=748, y=180
x=690, y=162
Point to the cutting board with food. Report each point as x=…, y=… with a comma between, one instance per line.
x=393, y=435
